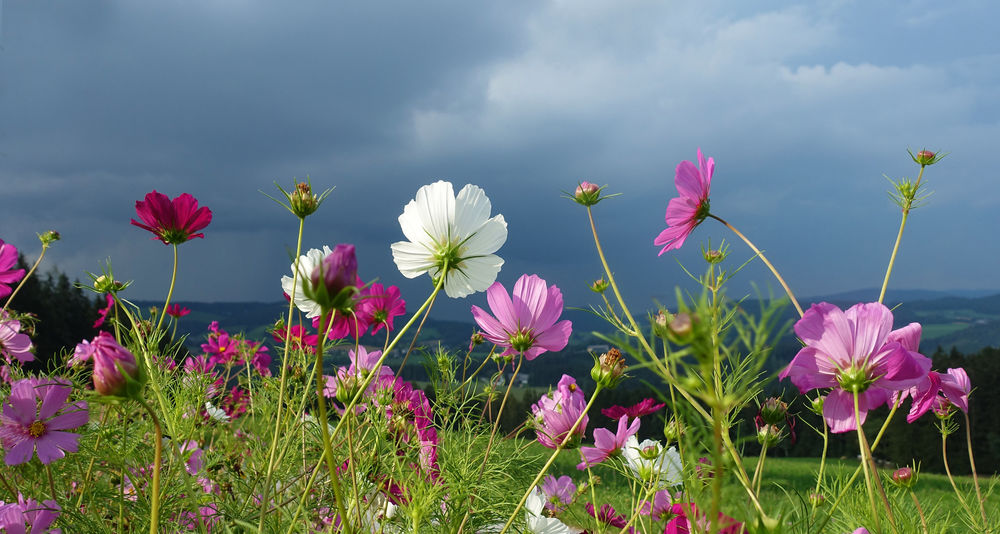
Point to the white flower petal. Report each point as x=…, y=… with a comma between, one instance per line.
x=472, y=209
x=472, y=275
x=487, y=239
x=412, y=259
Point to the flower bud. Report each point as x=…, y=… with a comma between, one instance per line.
x=333, y=282
x=587, y=194
x=609, y=369
x=599, y=286
x=116, y=372
x=926, y=157
x=773, y=411
x=713, y=256
x=903, y=477
x=47, y=238
x=681, y=329
x=302, y=200
x=672, y=431
x=476, y=340
x=769, y=435
x=105, y=284
x=816, y=499
x=816, y=405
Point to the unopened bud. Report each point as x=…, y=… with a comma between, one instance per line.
x=105, y=284
x=903, y=477
x=302, y=200
x=714, y=256
x=816, y=499
x=116, y=371
x=773, y=411
x=926, y=157
x=587, y=194
x=47, y=238
x=816, y=405
x=769, y=435
x=681, y=328
x=609, y=369
x=599, y=286
x=476, y=340
x=673, y=431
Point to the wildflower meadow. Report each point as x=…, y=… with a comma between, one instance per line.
x=129, y=430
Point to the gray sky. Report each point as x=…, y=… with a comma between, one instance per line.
x=804, y=106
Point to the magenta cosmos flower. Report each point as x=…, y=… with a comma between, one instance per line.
x=853, y=352
x=14, y=344
x=607, y=444
x=525, y=321
x=556, y=412
x=686, y=212
x=641, y=409
x=28, y=515
x=35, y=418
x=172, y=222
x=8, y=275
x=952, y=387
x=379, y=306
x=176, y=311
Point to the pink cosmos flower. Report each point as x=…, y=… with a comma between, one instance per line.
x=176, y=311
x=102, y=314
x=35, y=417
x=172, y=222
x=608, y=516
x=29, y=515
x=953, y=387
x=558, y=492
x=343, y=325
x=641, y=409
x=607, y=444
x=661, y=508
x=555, y=413
x=379, y=306
x=685, y=512
x=299, y=339
x=8, y=275
x=686, y=212
x=220, y=347
x=525, y=320
x=14, y=344
x=111, y=360
x=854, y=352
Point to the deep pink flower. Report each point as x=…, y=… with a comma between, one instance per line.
x=556, y=412
x=607, y=444
x=525, y=320
x=102, y=314
x=8, y=275
x=558, y=492
x=333, y=283
x=176, y=311
x=220, y=347
x=608, y=516
x=953, y=386
x=661, y=508
x=112, y=363
x=35, y=417
x=642, y=408
x=172, y=222
x=14, y=344
x=684, y=512
x=299, y=339
x=260, y=359
x=28, y=516
x=235, y=403
x=378, y=306
x=343, y=325
x=854, y=352
x=686, y=212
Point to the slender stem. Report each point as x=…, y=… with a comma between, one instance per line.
x=947, y=470
x=920, y=511
x=788, y=291
x=326, y=319
x=899, y=236
x=759, y=469
x=8, y=486
x=284, y=375
x=717, y=479
x=864, y=461
x=170, y=292
x=822, y=461
x=25, y=279
x=90, y=466
x=52, y=482
x=552, y=458
x=154, y=520
x=416, y=334
x=975, y=477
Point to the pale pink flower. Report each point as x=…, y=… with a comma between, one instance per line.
x=854, y=352
x=525, y=321
x=607, y=444
x=556, y=412
x=686, y=212
x=14, y=344
x=36, y=416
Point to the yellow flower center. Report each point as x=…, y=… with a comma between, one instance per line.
x=36, y=429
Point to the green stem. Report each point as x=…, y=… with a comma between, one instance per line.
x=170, y=292
x=326, y=320
x=416, y=334
x=788, y=290
x=154, y=520
x=90, y=466
x=920, y=511
x=975, y=477
x=947, y=470
x=864, y=461
x=899, y=236
x=822, y=461
x=759, y=469
x=25, y=279
x=552, y=458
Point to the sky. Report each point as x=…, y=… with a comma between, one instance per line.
x=806, y=108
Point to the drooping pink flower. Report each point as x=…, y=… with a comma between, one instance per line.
x=13, y=344
x=607, y=444
x=29, y=515
x=299, y=338
x=686, y=513
x=642, y=408
x=379, y=306
x=661, y=508
x=35, y=418
x=555, y=413
x=608, y=516
x=558, y=492
x=172, y=222
x=333, y=283
x=853, y=352
x=260, y=359
x=953, y=386
x=8, y=275
x=686, y=212
x=525, y=321
x=102, y=314
x=176, y=311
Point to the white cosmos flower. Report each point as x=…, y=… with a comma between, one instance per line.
x=458, y=230
x=216, y=413
x=650, y=461
x=307, y=264
x=538, y=523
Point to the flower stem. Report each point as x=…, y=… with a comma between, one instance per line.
x=284, y=376
x=416, y=334
x=788, y=290
x=154, y=519
x=947, y=470
x=326, y=319
x=975, y=477
x=552, y=457
x=920, y=511
x=899, y=236
x=864, y=462
x=822, y=461
x=25, y=279
x=170, y=292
